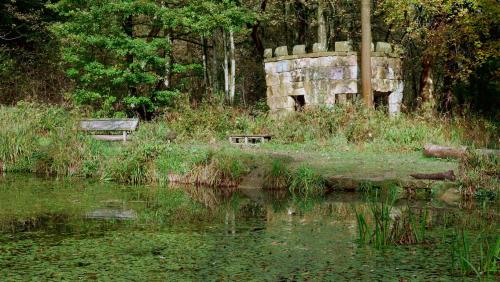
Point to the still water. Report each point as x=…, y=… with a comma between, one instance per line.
x=67, y=230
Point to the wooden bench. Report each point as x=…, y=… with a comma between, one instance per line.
x=110, y=125
x=249, y=139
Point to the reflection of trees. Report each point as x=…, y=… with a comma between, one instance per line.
x=209, y=197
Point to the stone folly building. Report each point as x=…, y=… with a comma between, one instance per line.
x=326, y=78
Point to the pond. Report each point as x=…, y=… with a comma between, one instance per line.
x=77, y=230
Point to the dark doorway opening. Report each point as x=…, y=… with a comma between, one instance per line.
x=381, y=99
x=300, y=102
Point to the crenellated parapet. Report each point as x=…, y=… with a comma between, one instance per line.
x=325, y=78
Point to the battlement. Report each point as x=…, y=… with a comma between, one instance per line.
x=326, y=78
x=342, y=48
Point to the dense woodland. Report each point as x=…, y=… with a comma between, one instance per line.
x=134, y=57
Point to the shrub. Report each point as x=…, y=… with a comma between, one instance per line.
x=479, y=175
x=306, y=182
x=278, y=176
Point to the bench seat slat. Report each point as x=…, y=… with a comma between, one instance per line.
x=109, y=124
x=109, y=137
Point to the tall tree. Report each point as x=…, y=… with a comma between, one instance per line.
x=366, y=53
x=118, y=57
x=454, y=38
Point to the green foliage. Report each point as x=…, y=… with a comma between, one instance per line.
x=479, y=257
x=305, y=182
x=119, y=54
x=278, y=176
x=40, y=139
x=342, y=125
x=454, y=37
x=479, y=175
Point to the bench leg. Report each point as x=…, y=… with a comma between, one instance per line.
x=124, y=136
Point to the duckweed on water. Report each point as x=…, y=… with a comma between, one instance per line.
x=205, y=234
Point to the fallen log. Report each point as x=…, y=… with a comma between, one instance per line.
x=444, y=152
x=436, y=151
x=449, y=175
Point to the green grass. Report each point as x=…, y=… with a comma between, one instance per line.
x=479, y=176
x=278, y=175
x=345, y=141
x=305, y=182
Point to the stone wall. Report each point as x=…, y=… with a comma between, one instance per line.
x=327, y=78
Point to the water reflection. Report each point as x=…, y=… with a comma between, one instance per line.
x=194, y=233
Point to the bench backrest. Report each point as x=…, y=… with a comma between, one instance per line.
x=109, y=124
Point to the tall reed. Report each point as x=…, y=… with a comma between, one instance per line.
x=480, y=257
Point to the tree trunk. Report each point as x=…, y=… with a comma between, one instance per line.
x=205, y=65
x=302, y=21
x=214, y=76
x=436, y=151
x=322, y=37
x=259, y=46
x=366, y=53
x=443, y=152
x=226, y=65
x=233, y=67
x=129, y=30
x=427, y=85
x=168, y=60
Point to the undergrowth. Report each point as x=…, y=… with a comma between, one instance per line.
x=348, y=124
x=479, y=176
x=45, y=139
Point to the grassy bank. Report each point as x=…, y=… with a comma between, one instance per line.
x=45, y=140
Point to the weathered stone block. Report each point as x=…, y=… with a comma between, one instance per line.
x=384, y=47
x=299, y=92
x=269, y=67
x=351, y=60
x=282, y=66
x=380, y=73
x=299, y=49
x=285, y=78
x=343, y=46
x=353, y=72
x=325, y=61
x=384, y=85
x=281, y=51
x=272, y=79
x=268, y=53
x=302, y=63
x=297, y=85
x=396, y=99
x=344, y=86
x=337, y=73
x=276, y=90
x=318, y=47
x=269, y=92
